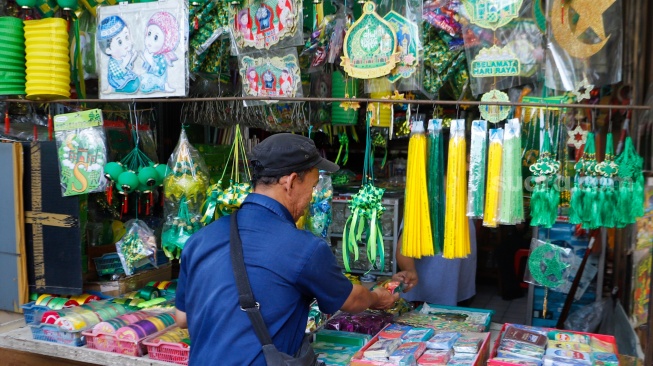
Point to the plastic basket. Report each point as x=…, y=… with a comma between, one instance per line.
x=30, y=309
x=166, y=351
x=109, y=343
x=52, y=333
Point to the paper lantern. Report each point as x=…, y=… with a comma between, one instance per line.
x=12, y=54
x=48, y=62
x=339, y=88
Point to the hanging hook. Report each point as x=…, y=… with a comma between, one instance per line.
x=457, y=110
x=610, y=120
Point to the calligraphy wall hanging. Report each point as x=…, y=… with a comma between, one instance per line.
x=141, y=50
x=370, y=46
x=586, y=42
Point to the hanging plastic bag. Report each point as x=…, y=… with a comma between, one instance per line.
x=185, y=189
x=320, y=215
x=548, y=265
x=511, y=208
x=137, y=247
x=477, y=168
x=588, y=318
x=87, y=26
x=493, y=191
x=82, y=151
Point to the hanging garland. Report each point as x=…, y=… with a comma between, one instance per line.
x=456, y=226
x=436, y=183
x=417, y=237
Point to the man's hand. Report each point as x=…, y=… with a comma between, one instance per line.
x=409, y=278
x=385, y=299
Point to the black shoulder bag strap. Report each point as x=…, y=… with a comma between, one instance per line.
x=245, y=295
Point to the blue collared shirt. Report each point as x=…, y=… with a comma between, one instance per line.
x=287, y=268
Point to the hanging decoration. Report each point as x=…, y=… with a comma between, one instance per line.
x=511, y=207
x=477, y=167
x=271, y=76
x=370, y=46
x=489, y=14
x=407, y=39
x=436, y=183
x=607, y=170
x=319, y=211
x=417, y=235
x=222, y=202
x=577, y=137
x=546, y=196
x=366, y=209
x=456, y=226
x=12, y=68
x=137, y=247
x=345, y=113
x=142, y=50
x=548, y=264
x=343, y=139
x=491, y=215
x=492, y=112
x=583, y=90
x=585, y=42
x=262, y=24
x=495, y=61
x=631, y=185
x=584, y=206
x=48, y=63
x=185, y=188
x=82, y=151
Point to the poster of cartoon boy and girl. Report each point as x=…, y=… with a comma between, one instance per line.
x=141, y=72
x=264, y=23
x=270, y=76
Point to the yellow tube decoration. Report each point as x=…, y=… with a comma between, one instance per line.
x=417, y=237
x=493, y=190
x=456, y=225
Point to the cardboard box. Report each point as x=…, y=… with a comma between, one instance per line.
x=497, y=342
x=131, y=283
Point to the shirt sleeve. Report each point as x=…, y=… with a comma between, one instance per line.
x=321, y=277
x=180, y=292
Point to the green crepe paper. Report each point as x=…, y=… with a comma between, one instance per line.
x=367, y=209
x=511, y=205
x=546, y=197
x=436, y=183
x=477, y=170
x=607, y=170
x=631, y=185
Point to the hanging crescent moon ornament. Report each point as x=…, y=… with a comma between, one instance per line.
x=591, y=16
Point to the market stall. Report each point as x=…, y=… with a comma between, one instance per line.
x=129, y=125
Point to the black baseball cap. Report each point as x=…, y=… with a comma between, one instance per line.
x=285, y=153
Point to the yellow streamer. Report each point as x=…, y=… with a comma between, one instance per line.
x=417, y=237
x=456, y=225
x=493, y=178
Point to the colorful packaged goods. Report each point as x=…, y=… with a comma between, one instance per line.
x=408, y=353
x=443, y=341
x=394, y=331
x=417, y=335
x=432, y=357
x=382, y=349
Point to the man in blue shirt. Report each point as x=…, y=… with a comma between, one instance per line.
x=287, y=267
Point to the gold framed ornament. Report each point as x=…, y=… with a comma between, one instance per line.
x=370, y=48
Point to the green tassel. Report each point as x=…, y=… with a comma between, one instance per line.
x=608, y=204
x=575, y=204
x=553, y=198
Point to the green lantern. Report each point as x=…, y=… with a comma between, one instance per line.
x=148, y=176
x=127, y=182
x=26, y=3
x=113, y=170
x=68, y=4
x=162, y=169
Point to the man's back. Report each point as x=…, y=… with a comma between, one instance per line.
x=286, y=268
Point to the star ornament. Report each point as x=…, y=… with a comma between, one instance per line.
x=583, y=90
x=577, y=137
x=591, y=15
x=555, y=267
x=350, y=105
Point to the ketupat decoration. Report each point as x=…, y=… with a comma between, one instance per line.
x=436, y=183
x=222, y=202
x=631, y=185
x=546, y=197
x=456, y=225
x=607, y=171
x=417, y=236
x=366, y=208
x=184, y=191
x=137, y=247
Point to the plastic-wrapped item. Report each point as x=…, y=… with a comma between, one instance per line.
x=270, y=74
x=505, y=51
x=141, y=50
x=456, y=225
x=477, y=167
x=82, y=151
x=436, y=182
x=574, y=54
x=320, y=215
x=137, y=247
x=185, y=191
x=367, y=322
x=511, y=208
x=261, y=24
x=87, y=27
x=490, y=218
x=549, y=265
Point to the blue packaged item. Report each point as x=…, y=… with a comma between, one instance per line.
x=407, y=352
x=604, y=359
x=394, y=331
x=517, y=354
x=443, y=341
x=418, y=335
x=574, y=355
x=560, y=361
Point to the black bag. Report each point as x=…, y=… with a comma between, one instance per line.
x=273, y=357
